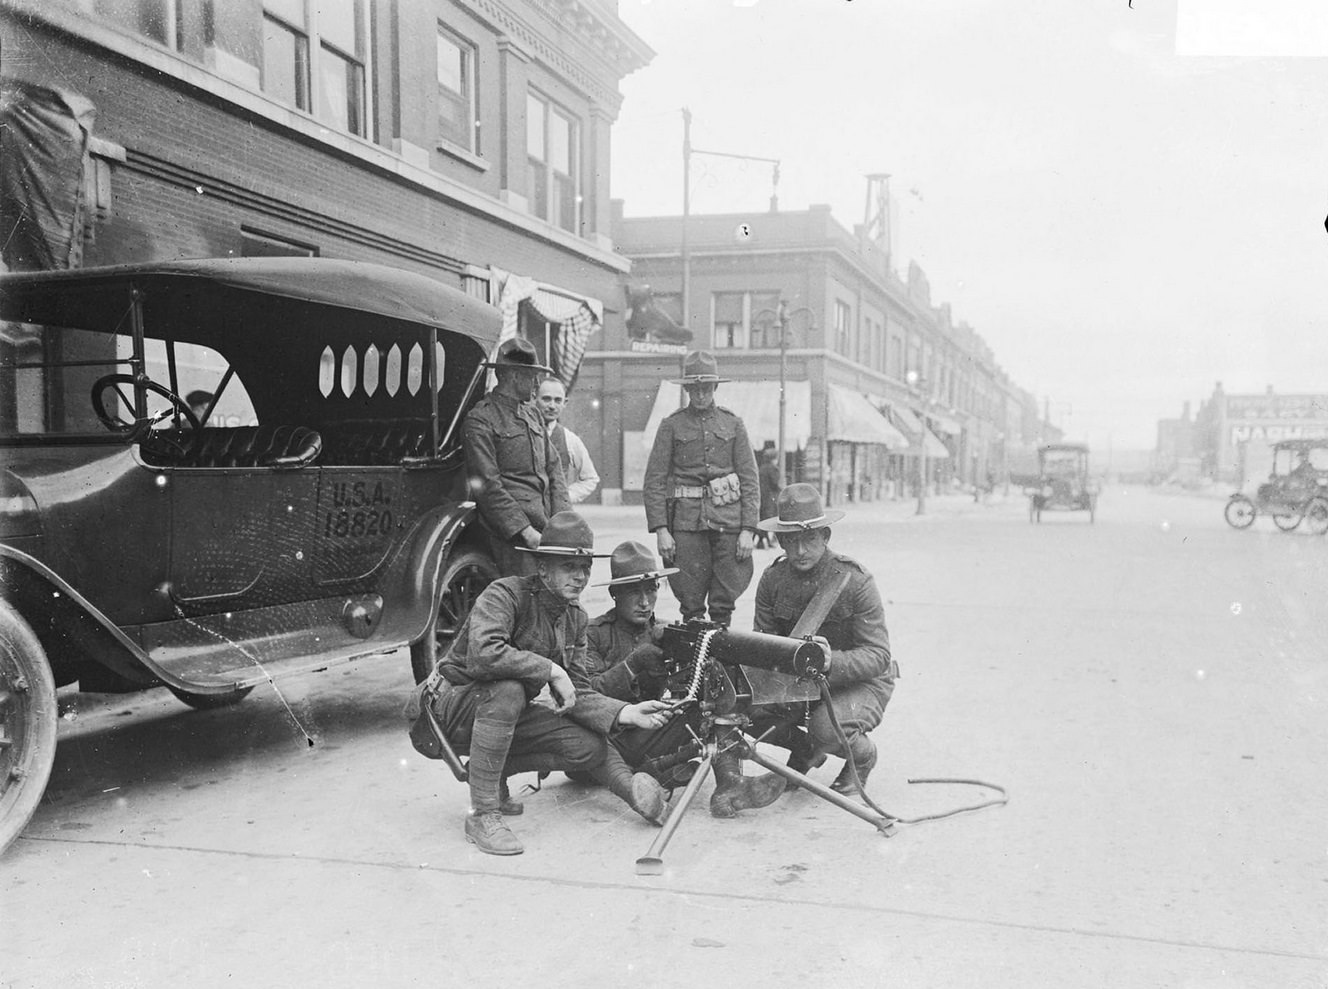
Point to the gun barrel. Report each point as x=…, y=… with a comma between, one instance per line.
x=799, y=657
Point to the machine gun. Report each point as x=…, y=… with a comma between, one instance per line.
x=725, y=673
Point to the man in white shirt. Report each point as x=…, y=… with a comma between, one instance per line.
x=581, y=476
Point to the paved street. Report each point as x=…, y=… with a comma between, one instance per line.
x=1150, y=689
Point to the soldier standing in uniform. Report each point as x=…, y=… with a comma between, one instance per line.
x=512, y=466
x=702, y=496
x=861, y=673
x=524, y=633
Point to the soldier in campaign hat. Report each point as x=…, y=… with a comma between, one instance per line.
x=513, y=468
x=860, y=670
x=525, y=633
x=702, y=496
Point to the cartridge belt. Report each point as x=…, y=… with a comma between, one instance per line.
x=689, y=491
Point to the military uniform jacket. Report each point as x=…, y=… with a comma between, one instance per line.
x=515, y=631
x=855, y=626
x=513, y=466
x=608, y=645
x=692, y=448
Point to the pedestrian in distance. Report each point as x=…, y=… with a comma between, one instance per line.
x=523, y=634
x=513, y=469
x=579, y=470
x=702, y=496
x=768, y=473
x=861, y=673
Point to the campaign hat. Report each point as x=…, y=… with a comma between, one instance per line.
x=632, y=563
x=567, y=534
x=797, y=509
x=700, y=367
x=518, y=352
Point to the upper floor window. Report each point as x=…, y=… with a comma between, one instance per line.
x=843, y=328
x=552, y=142
x=314, y=58
x=458, y=120
x=747, y=320
x=155, y=19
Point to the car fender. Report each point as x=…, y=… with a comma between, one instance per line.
x=441, y=531
x=72, y=630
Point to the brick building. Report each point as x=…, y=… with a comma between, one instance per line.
x=854, y=424
x=1233, y=435
x=464, y=139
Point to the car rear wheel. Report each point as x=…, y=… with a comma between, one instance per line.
x=29, y=715
x=1239, y=512
x=1316, y=516
x=464, y=577
x=1286, y=521
x=210, y=702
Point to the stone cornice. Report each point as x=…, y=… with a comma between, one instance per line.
x=530, y=39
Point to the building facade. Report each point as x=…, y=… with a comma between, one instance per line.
x=1232, y=435
x=464, y=139
x=878, y=383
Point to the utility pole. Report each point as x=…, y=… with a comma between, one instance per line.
x=686, y=212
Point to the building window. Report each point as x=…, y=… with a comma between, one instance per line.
x=729, y=319
x=552, y=142
x=315, y=58
x=843, y=328
x=457, y=117
x=764, y=319
x=155, y=19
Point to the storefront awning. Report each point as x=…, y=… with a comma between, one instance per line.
x=755, y=402
x=912, y=427
x=853, y=419
x=944, y=424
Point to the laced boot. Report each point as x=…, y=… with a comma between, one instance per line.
x=863, y=758
x=489, y=743
x=733, y=790
x=803, y=758
x=640, y=791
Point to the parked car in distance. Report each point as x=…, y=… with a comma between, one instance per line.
x=309, y=510
x=1064, y=483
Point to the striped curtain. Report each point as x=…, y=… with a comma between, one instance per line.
x=576, y=319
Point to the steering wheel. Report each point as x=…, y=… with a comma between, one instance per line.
x=141, y=431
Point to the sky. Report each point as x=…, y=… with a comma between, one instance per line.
x=1126, y=202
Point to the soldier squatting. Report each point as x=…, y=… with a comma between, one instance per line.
x=530, y=684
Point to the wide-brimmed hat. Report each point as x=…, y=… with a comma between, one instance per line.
x=567, y=534
x=518, y=352
x=700, y=367
x=798, y=508
x=632, y=563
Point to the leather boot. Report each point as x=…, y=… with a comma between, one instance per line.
x=489, y=743
x=640, y=791
x=863, y=759
x=803, y=758
x=734, y=791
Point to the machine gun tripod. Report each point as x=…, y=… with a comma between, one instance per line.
x=725, y=673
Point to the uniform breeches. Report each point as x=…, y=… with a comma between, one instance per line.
x=859, y=708
x=557, y=742
x=709, y=573
x=511, y=562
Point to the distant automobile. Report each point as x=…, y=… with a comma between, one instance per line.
x=1296, y=490
x=1063, y=483
x=139, y=547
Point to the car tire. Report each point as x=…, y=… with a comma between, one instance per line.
x=29, y=715
x=1239, y=512
x=211, y=702
x=1316, y=516
x=463, y=578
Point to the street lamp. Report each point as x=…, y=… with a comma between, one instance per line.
x=782, y=315
x=916, y=385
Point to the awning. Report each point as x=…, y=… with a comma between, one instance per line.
x=853, y=419
x=912, y=427
x=755, y=402
x=944, y=424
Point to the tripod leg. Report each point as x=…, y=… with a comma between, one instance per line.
x=652, y=862
x=883, y=824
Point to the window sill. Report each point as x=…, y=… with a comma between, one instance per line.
x=462, y=155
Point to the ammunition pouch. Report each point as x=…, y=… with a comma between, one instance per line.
x=725, y=490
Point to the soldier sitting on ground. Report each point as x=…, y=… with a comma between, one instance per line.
x=861, y=673
x=524, y=633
